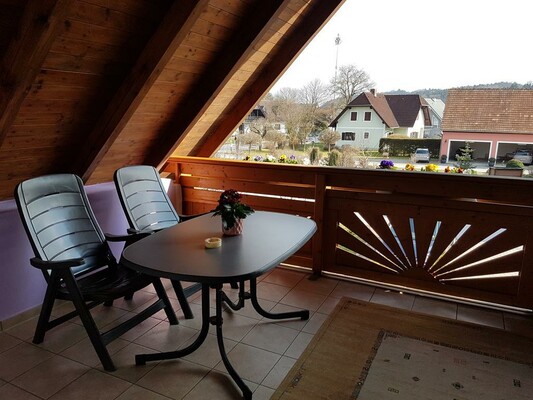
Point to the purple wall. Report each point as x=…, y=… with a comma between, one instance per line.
x=22, y=286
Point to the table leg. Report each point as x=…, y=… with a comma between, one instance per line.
x=303, y=314
x=218, y=320
x=141, y=359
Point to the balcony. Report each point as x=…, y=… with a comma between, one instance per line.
x=438, y=244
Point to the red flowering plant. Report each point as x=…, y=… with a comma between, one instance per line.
x=231, y=209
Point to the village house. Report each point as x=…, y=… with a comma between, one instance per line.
x=372, y=116
x=495, y=122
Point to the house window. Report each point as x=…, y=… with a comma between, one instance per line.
x=414, y=134
x=353, y=116
x=368, y=116
x=366, y=135
x=348, y=135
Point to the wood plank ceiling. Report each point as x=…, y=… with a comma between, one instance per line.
x=89, y=86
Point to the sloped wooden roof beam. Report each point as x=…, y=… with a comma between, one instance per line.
x=295, y=43
x=157, y=53
x=218, y=74
x=41, y=22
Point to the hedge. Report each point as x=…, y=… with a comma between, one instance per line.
x=400, y=147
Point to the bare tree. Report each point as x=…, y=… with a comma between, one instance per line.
x=351, y=81
x=329, y=137
x=314, y=94
x=250, y=139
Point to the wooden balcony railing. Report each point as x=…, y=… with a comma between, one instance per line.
x=453, y=236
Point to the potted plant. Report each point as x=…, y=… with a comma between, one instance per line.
x=232, y=211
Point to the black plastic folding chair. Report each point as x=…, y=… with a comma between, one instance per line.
x=76, y=261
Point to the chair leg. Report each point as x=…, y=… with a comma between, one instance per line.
x=46, y=309
x=160, y=290
x=185, y=307
x=88, y=323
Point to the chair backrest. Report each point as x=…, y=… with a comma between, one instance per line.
x=144, y=198
x=59, y=221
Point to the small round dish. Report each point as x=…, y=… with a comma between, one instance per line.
x=213, y=242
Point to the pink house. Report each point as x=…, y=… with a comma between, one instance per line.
x=495, y=122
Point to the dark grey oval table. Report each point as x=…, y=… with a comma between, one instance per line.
x=179, y=253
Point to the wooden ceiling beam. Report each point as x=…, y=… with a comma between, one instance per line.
x=295, y=42
x=41, y=23
x=237, y=51
x=162, y=45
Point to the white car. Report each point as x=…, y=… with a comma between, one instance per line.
x=526, y=156
x=421, y=155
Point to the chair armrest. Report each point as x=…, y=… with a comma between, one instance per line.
x=63, y=264
x=191, y=216
x=130, y=237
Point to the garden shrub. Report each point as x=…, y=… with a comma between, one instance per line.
x=514, y=163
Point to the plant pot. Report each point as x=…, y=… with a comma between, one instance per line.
x=235, y=229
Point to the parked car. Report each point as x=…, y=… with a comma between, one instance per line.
x=526, y=156
x=421, y=155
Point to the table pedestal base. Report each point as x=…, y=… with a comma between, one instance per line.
x=217, y=320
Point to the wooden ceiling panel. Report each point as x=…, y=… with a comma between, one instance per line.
x=92, y=85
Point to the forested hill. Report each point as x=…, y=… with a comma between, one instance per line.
x=443, y=93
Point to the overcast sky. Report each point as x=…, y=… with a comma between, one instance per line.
x=419, y=44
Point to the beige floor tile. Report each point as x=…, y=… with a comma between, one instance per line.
x=141, y=299
x=271, y=337
x=278, y=373
x=138, y=330
x=173, y=378
x=271, y=291
x=260, y=349
x=93, y=385
x=284, y=277
x=249, y=311
x=50, y=376
x=299, y=344
x=24, y=330
x=165, y=337
x=251, y=363
x=208, y=355
x=124, y=361
x=20, y=359
x=263, y=393
x=302, y=299
x=314, y=323
x=393, y=299
x=7, y=342
x=235, y=326
x=328, y=305
x=293, y=323
x=84, y=352
x=353, y=290
x=138, y=393
x=321, y=285
x=480, y=316
x=435, y=307
x=217, y=385
x=62, y=337
x=11, y=392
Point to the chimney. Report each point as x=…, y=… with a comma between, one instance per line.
x=373, y=91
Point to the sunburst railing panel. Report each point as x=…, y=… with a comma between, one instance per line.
x=448, y=247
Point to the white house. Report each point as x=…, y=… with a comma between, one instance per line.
x=436, y=111
x=372, y=116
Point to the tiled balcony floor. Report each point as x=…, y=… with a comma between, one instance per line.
x=65, y=366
